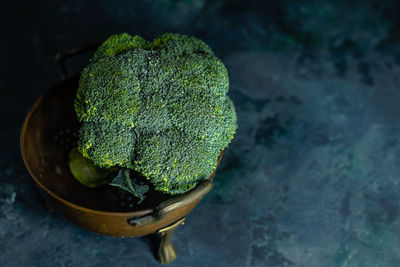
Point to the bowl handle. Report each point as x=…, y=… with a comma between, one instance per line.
x=62, y=56
x=174, y=203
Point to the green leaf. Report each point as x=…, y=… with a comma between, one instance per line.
x=124, y=181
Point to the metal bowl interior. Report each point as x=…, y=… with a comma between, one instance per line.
x=48, y=136
x=46, y=140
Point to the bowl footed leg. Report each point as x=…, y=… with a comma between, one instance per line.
x=166, y=251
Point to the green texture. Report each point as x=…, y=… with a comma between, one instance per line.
x=160, y=108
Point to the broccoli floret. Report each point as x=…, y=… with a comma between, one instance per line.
x=160, y=108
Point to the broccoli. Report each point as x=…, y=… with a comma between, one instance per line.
x=160, y=108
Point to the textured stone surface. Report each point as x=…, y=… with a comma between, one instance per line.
x=312, y=176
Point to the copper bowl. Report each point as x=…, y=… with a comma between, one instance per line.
x=44, y=146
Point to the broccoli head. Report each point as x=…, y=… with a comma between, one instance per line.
x=160, y=108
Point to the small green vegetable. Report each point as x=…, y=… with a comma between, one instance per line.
x=86, y=172
x=158, y=107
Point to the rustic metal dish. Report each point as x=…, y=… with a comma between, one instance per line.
x=47, y=131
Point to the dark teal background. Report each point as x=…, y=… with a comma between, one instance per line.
x=312, y=175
